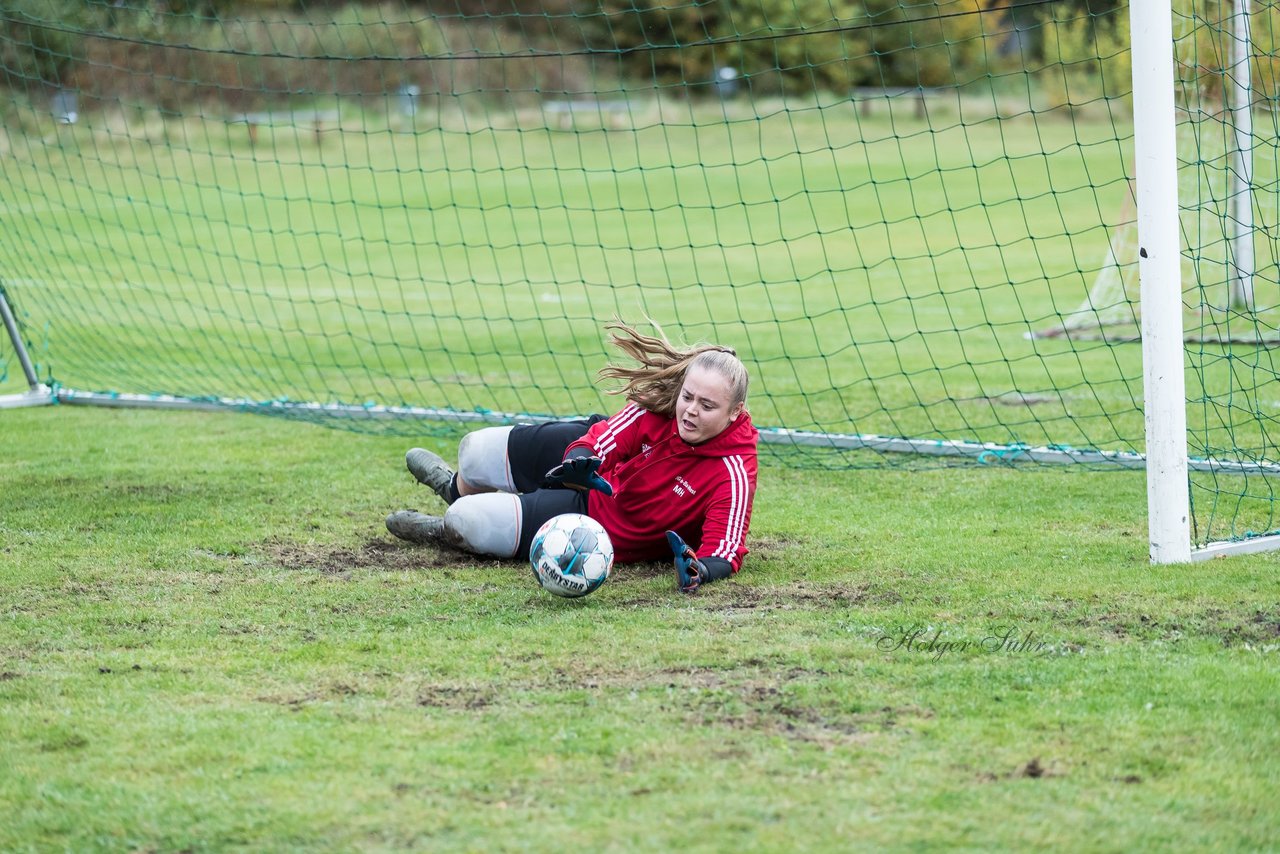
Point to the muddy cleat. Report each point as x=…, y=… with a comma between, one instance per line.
x=416, y=527
x=430, y=470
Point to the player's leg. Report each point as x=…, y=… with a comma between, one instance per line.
x=486, y=524
x=497, y=524
x=482, y=462
x=482, y=466
x=498, y=459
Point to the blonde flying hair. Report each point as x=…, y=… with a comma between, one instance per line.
x=656, y=382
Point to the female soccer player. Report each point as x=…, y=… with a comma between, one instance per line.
x=677, y=465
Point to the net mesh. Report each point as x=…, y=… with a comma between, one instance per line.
x=912, y=220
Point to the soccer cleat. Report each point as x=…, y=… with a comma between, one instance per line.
x=430, y=470
x=416, y=527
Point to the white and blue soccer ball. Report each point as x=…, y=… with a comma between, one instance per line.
x=571, y=555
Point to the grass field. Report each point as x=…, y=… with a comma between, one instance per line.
x=208, y=642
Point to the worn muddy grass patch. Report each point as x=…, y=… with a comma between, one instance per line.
x=801, y=595
x=458, y=697
x=296, y=701
x=796, y=703
x=809, y=705
x=395, y=555
x=1033, y=769
x=1125, y=620
x=374, y=554
x=1262, y=628
x=814, y=705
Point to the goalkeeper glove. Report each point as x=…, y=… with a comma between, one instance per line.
x=578, y=473
x=690, y=572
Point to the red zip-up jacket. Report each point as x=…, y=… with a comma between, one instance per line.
x=662, y=483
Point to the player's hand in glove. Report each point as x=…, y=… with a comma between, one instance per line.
x=578, y=473
x=690, y=572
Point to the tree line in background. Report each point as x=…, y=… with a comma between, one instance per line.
x=242, y=54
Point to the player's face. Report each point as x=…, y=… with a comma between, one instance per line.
x=704, y=408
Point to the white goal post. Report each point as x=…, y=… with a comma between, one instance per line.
x=1160, y=267
x=1160, y=280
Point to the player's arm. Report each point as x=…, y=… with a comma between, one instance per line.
x=606, y=444
x=614, y=440
x=724, y=529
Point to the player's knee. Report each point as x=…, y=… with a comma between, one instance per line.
x=487, y=524
x=482, y=459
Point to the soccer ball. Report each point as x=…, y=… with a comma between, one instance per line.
x=571, y=555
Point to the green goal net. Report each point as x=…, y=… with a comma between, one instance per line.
x=913, y=220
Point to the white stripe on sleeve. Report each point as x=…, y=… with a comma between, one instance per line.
x=739, y=490
x=624, y=418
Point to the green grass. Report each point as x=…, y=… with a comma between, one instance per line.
x=208, y=642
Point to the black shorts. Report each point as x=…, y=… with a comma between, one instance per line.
x=532, y=451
